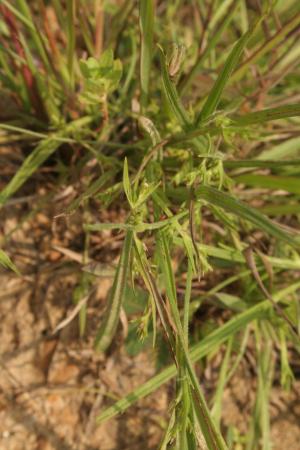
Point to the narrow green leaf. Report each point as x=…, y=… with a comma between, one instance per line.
x=29, y=166
x=228, y=203
x=38, y=156
x=172, y=95
x=231, y=63
x=269, y=164
x=231, y=301
x=236, y=256
x=126, y=183
x=222, y=379
x=280, y=209
x=71, y=39
x=146, y=27
x=176, y=105
x=289, y=184
x=6, y=262
x=288, y=148
x=266, y=115
x=111, y=316
x=187, y=301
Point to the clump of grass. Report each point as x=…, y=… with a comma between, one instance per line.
x=184, y=152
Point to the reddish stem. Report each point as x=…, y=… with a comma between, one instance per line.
x=27, y=74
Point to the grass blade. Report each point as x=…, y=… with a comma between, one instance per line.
x=280, y=209
x=244, y=211
x=289, y=184
x=37, y=157
x=43, y=150
x=172, y=95
x=176, y=105
x=285, y=149
x=71, y=40
x=146, y=27
x=223, y=376
x=6, y=262
x=231, y=63
x=110, y=320
x=269, y=164
x=234, y=206
x=267, y=115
